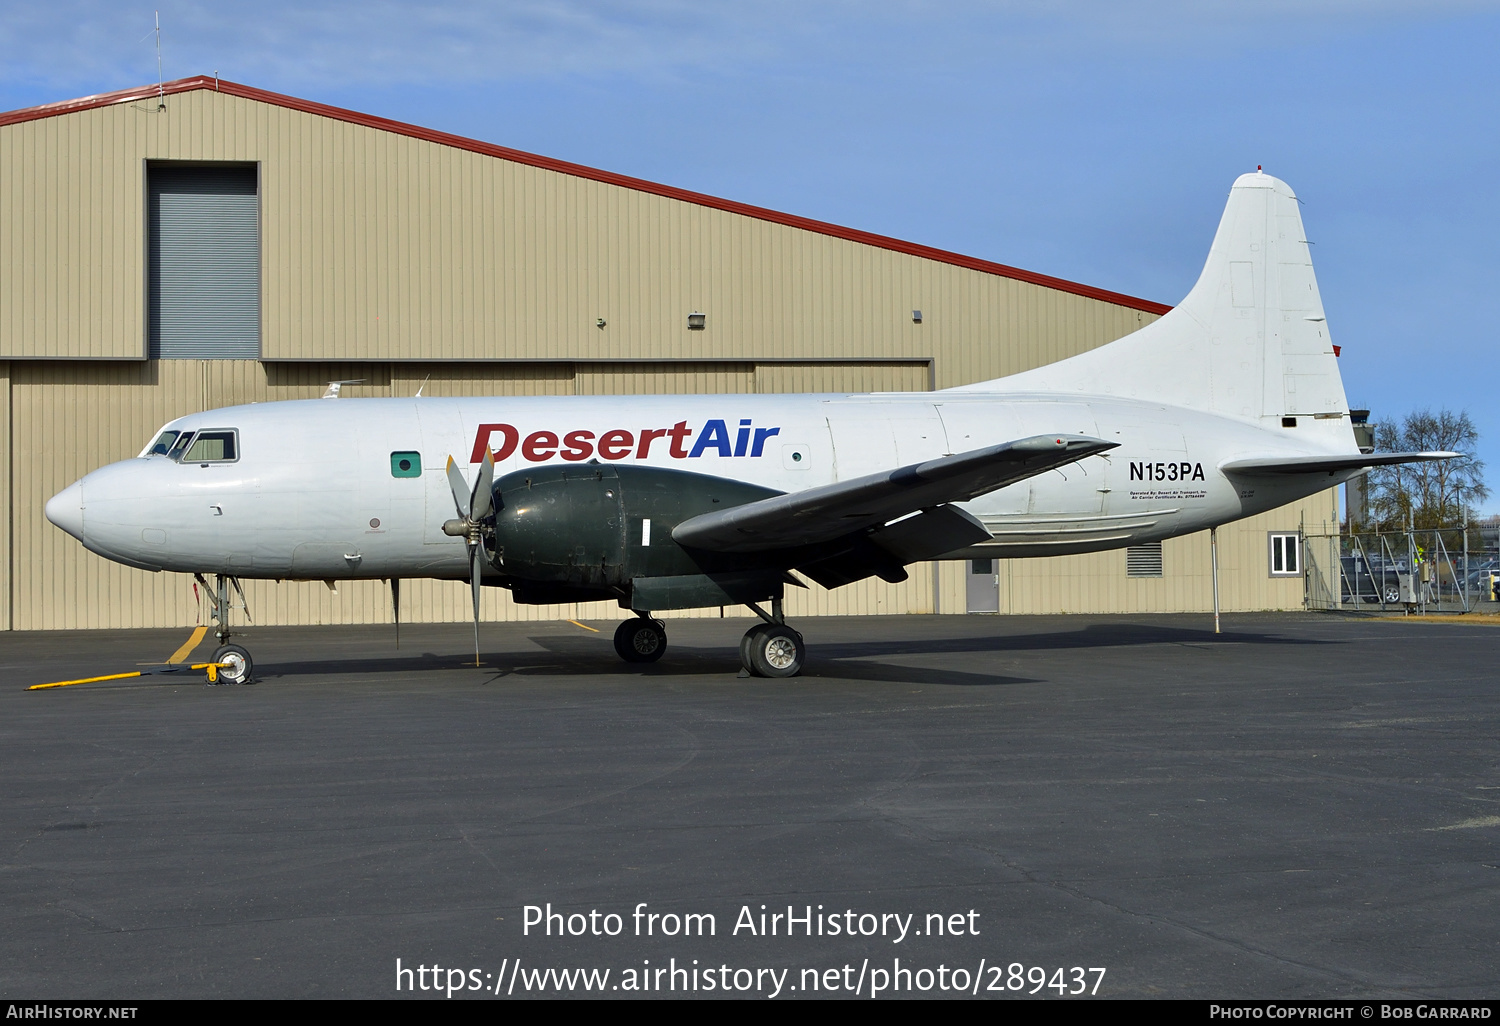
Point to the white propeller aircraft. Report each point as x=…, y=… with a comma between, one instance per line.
x=1229, y=405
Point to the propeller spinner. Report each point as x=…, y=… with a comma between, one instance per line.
x=474, y=508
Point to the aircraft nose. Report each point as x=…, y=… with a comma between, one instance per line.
x=65, y=509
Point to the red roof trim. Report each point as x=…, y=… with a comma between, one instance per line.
x=183, y=85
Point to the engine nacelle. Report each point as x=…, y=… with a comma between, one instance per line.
x=567, y=533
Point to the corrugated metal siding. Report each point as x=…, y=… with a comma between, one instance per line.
x=6, y=570
x=1097, y=582
x=379, y=246
x=70, y=418
x=72, y=241
x=781, y=378
x=203, y=257
x=456, y=379
x=663, y=378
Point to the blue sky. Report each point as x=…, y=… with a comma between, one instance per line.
x=1093, y=141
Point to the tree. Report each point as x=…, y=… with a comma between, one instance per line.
x=1439, y=494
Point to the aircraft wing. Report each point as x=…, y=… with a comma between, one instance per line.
x=1327, y=464
x=816, y=515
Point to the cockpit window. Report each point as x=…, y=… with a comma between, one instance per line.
x=216, y=446
x=163, y=444
x=180, y=446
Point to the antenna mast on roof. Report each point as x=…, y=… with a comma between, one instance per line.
x=161, y=92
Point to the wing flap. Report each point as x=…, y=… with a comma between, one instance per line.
x=1269, y=466
x=818, y=515
x=930, y=533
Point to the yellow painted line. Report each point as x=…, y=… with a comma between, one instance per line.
x=86, y=680
x=585, y=626
x=187, y=646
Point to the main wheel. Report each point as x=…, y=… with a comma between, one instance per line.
x=748, y=642
x=641, y=640
x=776, y=651
x=236, y=665
x=1392, y=596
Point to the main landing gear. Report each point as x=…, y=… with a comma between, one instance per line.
x=234, y=663
x=769, y=649
x=642, y=640
x=772, y=649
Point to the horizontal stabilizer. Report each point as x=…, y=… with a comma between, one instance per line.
x=1265, y=467
x=818, y=515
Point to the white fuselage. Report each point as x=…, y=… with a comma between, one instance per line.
x=313, y=494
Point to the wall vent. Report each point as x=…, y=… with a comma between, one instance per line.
x=1143, y=560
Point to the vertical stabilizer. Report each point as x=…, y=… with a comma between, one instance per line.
x=1250, y=340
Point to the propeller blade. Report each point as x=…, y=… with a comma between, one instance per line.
x=481, y=502
x=396, y=608
x=460, y=488
x=476, y=554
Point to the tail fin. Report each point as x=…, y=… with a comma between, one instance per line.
x=1249, y=341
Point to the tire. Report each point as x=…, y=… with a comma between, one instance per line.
x=641, y=640
x=1392, y=596
x=240, y=665
x=777, y=651
x=747, y=642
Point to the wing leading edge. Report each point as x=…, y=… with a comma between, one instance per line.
x=819, y=515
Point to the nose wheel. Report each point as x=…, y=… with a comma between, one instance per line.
x=234, y=666
x=232, y=663
x=641, y=640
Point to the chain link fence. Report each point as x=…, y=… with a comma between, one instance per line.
x=1408, y=571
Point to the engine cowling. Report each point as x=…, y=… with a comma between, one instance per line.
x=567, y=533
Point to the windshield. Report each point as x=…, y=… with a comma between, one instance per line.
x=211, y=445
x=180, y=446
x=163, y=443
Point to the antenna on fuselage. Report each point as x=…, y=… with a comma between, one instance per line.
x=334, y=386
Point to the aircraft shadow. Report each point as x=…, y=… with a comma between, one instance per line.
x=570, y=656
x=1124, y=635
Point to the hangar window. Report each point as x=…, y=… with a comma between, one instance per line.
x=203, y=245
x=1286, y=555
x=1143, y=560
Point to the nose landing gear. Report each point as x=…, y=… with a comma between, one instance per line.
x=233, y=664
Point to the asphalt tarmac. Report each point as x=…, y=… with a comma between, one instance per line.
x=1306, y=806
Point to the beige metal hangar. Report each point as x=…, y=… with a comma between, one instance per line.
x=204, y=244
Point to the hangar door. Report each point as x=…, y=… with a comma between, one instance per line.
x=203, y=229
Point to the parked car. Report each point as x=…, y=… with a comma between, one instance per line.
x=1370, y=582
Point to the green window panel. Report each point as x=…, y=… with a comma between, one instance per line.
x=406, y=464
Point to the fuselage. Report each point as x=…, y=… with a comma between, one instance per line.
x=317, y=489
